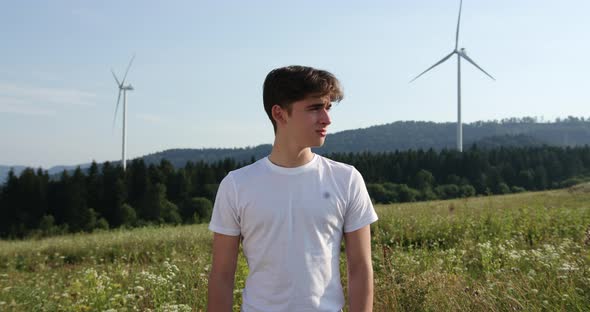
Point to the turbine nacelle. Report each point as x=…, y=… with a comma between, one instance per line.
x=461, y=51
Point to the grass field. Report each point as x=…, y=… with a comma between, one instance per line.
x=528, y=252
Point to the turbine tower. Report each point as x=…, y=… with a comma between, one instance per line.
x=123, y=89
x=460, y=54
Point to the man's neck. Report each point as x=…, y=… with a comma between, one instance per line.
x=287, y=156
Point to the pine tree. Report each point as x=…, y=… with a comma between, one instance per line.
x=9, y=224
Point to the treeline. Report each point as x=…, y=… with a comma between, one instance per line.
x=428, y=175
x=105, y=196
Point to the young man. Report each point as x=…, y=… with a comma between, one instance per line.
x=292, y=209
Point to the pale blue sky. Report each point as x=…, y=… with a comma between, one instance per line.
x=200, y=66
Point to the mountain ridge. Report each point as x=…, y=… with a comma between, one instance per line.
x=399, y=135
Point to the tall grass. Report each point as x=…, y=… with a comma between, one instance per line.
x=503, y=253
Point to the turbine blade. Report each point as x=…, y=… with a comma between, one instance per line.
x=463, y=55
x=115, y=76
x=117, y=108
x=458, y=23
x=128, y=66
x=433, y=66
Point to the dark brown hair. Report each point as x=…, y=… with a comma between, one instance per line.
x=286, y=85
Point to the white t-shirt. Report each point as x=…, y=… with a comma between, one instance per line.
x=292, y=221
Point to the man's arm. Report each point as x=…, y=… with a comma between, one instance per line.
x=360, y=269
x=223, y=270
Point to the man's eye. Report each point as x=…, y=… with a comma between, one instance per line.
x=316, y=108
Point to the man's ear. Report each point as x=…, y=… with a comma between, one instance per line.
x=278, y=114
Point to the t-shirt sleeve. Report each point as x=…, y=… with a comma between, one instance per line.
x=359, y=208
x=225, y=218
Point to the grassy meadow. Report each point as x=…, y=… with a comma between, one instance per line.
x=523, y=252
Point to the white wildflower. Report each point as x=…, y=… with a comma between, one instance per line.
x=532, y=273
x=568, y=267
x=176, y=308
x=514, y=255
x=154, y=278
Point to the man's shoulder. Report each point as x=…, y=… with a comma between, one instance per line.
x=248, y=171
x=336, y=166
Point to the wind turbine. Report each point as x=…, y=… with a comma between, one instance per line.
x=460, y=54
x=123, y=89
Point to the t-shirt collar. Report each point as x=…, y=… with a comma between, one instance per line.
x=295, y=170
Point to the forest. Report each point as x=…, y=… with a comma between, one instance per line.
x=36, y=204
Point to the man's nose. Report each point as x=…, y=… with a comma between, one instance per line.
x=325, y=117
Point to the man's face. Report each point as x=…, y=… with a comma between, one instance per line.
x=307, y=125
